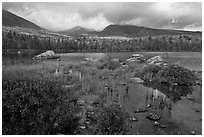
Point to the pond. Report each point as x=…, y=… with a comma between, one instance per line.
x=180, y=116
x=180, y=113
x=190, y=60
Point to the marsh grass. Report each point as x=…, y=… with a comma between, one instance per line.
x=43, y=98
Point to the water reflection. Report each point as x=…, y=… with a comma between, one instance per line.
x=172, y=92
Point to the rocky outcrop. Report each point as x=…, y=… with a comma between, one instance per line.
x=47, y=55
x=157, y=60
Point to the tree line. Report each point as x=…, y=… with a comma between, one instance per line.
x=13, y=40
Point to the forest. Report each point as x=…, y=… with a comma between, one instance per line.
x=171, y=43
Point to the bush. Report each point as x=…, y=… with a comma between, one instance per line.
x=32, y=104
x=112, y=121
x=169, y=75
x=109, y=64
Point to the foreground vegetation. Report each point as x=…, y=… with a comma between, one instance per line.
x=58, y=98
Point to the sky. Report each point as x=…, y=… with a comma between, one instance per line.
x=59, y=16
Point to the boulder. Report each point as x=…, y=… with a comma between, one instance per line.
x=156, y=123
x=139, y=57
x=133, y=60
x=141, y=110
x=90, y=60
x=163, y=126
x=46, y=55
x=116, y=60
x=153, y=117
x=133, y=119
x=193, y=132
x=136, y=58
x=137, y=80
x=157, y=60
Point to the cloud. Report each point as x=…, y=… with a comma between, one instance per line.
x=62, y=16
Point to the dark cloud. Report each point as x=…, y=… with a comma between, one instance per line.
x=61, y=16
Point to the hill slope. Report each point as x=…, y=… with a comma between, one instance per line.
x=10, y=19
x=136, y=31
x=78, y=31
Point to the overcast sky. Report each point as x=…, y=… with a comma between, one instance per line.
x=63, y=16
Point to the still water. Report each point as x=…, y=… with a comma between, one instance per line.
x=180, y=116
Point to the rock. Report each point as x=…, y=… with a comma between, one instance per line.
x=149, y=105
x=90, y=60
x=124, y=66
x=165, y=64
x=116, y=60
x=137, y=80
x=121, y=83
x=157, y=60
x=193, y=132
x=163, y=126
x=120, y=106
x=189, y=98
x=133, y=119
x=47, y=55
x=175, y=84
x=112, y=73
x=156, y=123
x=122, y=63
x=141, y=110
x=137, y=56
x=131, y=60
x=82, y=127
x=87, y=122
x=67, y=86
x=153, y=117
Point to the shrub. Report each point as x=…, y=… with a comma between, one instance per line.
x=109, y=64
x=32, y=104
x=112, y=121
x=169, y=75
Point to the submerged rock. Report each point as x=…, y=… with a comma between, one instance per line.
x=141, y=110
x=133, y=119
x=153, y=117
x=156, y=123
x=163, y=126
x=193, y=132
x=137, y=80
x=149, y=105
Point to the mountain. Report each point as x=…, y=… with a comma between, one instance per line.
x=12, y=20
x=136, y=31
x=78, y=31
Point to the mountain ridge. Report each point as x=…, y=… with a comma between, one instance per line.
x=12, y=20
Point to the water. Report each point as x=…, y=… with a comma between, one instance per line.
x=179, y=116
x=190, y=60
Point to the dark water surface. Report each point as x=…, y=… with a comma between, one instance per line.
x=181, y=116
